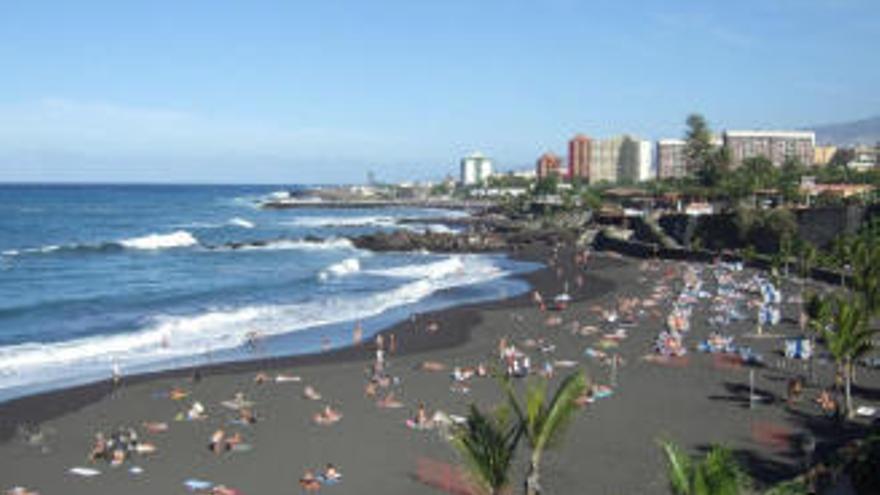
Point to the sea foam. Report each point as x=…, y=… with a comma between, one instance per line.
x=165, y=340
x=180, y=238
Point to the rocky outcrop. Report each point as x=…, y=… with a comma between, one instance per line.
x=403, y=240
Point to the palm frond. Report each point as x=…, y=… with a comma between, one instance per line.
x=678, y=468
x=487, y=445
x=562, y=408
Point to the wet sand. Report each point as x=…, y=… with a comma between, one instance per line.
x=611, y=447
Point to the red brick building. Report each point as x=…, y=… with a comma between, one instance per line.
x=579, y=157
x=548, y=164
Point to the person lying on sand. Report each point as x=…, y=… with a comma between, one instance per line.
x=433, y=366
x=178, y=393
x=421, y=421
x=247, y=416
x=223, y=490
x=309, y=482
x=328, y=416
x=389, y=402
x=370, y=389
x=310, y=393
x=20, y=490
x=196, y=412
x=238, y=402
x=330, y=475
x=155, y=426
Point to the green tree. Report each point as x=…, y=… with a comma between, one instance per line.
x=487, y=444
x=848, y=338
x=786, y=249
x=865, y=259
x=789, y=179
x=698, y=150
x=547, y=185
x=716, y=474
x=544, y=421
x=757, y=173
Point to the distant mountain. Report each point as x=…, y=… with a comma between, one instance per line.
x=865, y=131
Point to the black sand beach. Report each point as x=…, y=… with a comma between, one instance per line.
x=610, y=449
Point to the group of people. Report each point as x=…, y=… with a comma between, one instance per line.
x=516, y=363
x=312, y=482
x=119, y=446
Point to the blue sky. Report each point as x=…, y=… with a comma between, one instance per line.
x=289, y=91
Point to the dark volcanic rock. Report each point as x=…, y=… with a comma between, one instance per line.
x=403, y=240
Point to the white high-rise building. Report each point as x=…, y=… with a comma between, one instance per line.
x=622, y=158
x=476, y=169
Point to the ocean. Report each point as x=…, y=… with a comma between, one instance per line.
x=145, y=278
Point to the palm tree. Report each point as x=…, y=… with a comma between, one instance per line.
x=866, y=273
x=849, y=339
x=716, y=474
x=487, y=443
x=785, y=249
x=842, y=252
x=543, y=422
x=808, y=255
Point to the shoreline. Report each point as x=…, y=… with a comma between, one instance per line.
x=39, y=407
x=696, y=402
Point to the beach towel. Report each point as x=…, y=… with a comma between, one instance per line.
x=866, y=411
x=565, y=364
x=84, y=471
x=235, y=405
x=195, y=485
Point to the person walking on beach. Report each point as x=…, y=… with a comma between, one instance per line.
x=358, y=333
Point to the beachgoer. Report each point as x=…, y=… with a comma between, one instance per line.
x=310, y=393
x=828, y=404
x=421, y=418
x=99, y=448
x=247, y=416
x=379, y=366
x=216, y=444
x=117, y=374
x=370, y=389
x=392, y=343
x=309, y=482
x=795, y=388
x=261, y=378
x=389, y=402
x=358, y=333
x=327, y=417
x=331, y=474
